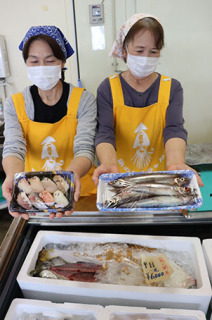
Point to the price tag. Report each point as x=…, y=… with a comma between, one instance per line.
x=156, y=268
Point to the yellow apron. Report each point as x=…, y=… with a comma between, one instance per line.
x=50, y=145
x=139, y=131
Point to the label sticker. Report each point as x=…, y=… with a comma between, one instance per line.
x=156, y=268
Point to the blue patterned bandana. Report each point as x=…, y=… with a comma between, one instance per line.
x=52, y=32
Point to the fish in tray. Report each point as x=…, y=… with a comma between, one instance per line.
x=42, y=191
x=154, y=177
x=148, y=202
x=151, y=195
x=110, y=262
x=150, y=190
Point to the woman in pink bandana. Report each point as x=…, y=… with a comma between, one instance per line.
x=140, y=112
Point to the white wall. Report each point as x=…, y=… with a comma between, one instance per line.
x=187, y=54
x=18, y=16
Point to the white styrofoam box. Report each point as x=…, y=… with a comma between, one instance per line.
x=207, y=250
x=109, y=294
x=133, y=313
x=105, y=192
x=54, y=310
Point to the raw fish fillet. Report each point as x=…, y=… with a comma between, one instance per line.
x=49, y=185
x=60, y=199
x=36, y=184
x=47, y=197
x=24, y=185
x=23, y=201
x=36, y=201
x=61, y=183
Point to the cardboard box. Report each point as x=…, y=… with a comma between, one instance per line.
x=132, y=313
x=112, y=294
x=19, y=307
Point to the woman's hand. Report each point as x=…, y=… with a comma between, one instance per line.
x=104, y=168
x=185, y=167
x=7, y=194
x=175, y=149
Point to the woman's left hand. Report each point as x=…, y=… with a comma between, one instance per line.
x=186, y=167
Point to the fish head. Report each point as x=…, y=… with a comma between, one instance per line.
x=181, y=181
x=119, y=183
x=110, y=203
x=186, y=191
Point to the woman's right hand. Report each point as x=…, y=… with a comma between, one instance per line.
x=103, y=168
x=7, y=194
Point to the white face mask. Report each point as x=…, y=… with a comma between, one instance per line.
x=140, y=66
x=44, y=77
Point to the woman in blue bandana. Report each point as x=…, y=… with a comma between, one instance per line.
x=50, y=125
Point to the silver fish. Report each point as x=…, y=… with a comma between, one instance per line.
x=155, y=177
x=162, y=189
x=158, y=202
x=124, y=197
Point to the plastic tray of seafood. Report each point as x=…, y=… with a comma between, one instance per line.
x=142, y=191
x=106, y=269
x=26, y=309
x=48, y=191
x=133, y=313
x=207, y=250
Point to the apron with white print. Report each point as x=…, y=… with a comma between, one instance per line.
x=50, y=145
x=139, y=131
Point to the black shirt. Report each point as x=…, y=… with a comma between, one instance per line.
x=49, y=114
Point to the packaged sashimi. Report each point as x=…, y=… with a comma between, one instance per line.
x=42, y=191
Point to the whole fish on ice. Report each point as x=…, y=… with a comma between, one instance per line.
x=109, y=262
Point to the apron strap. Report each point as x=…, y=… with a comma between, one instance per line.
x=74, y=100
x=19, y=103
x=164, y=91
x=116, y=90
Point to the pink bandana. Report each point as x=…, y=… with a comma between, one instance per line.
x=116, y=50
